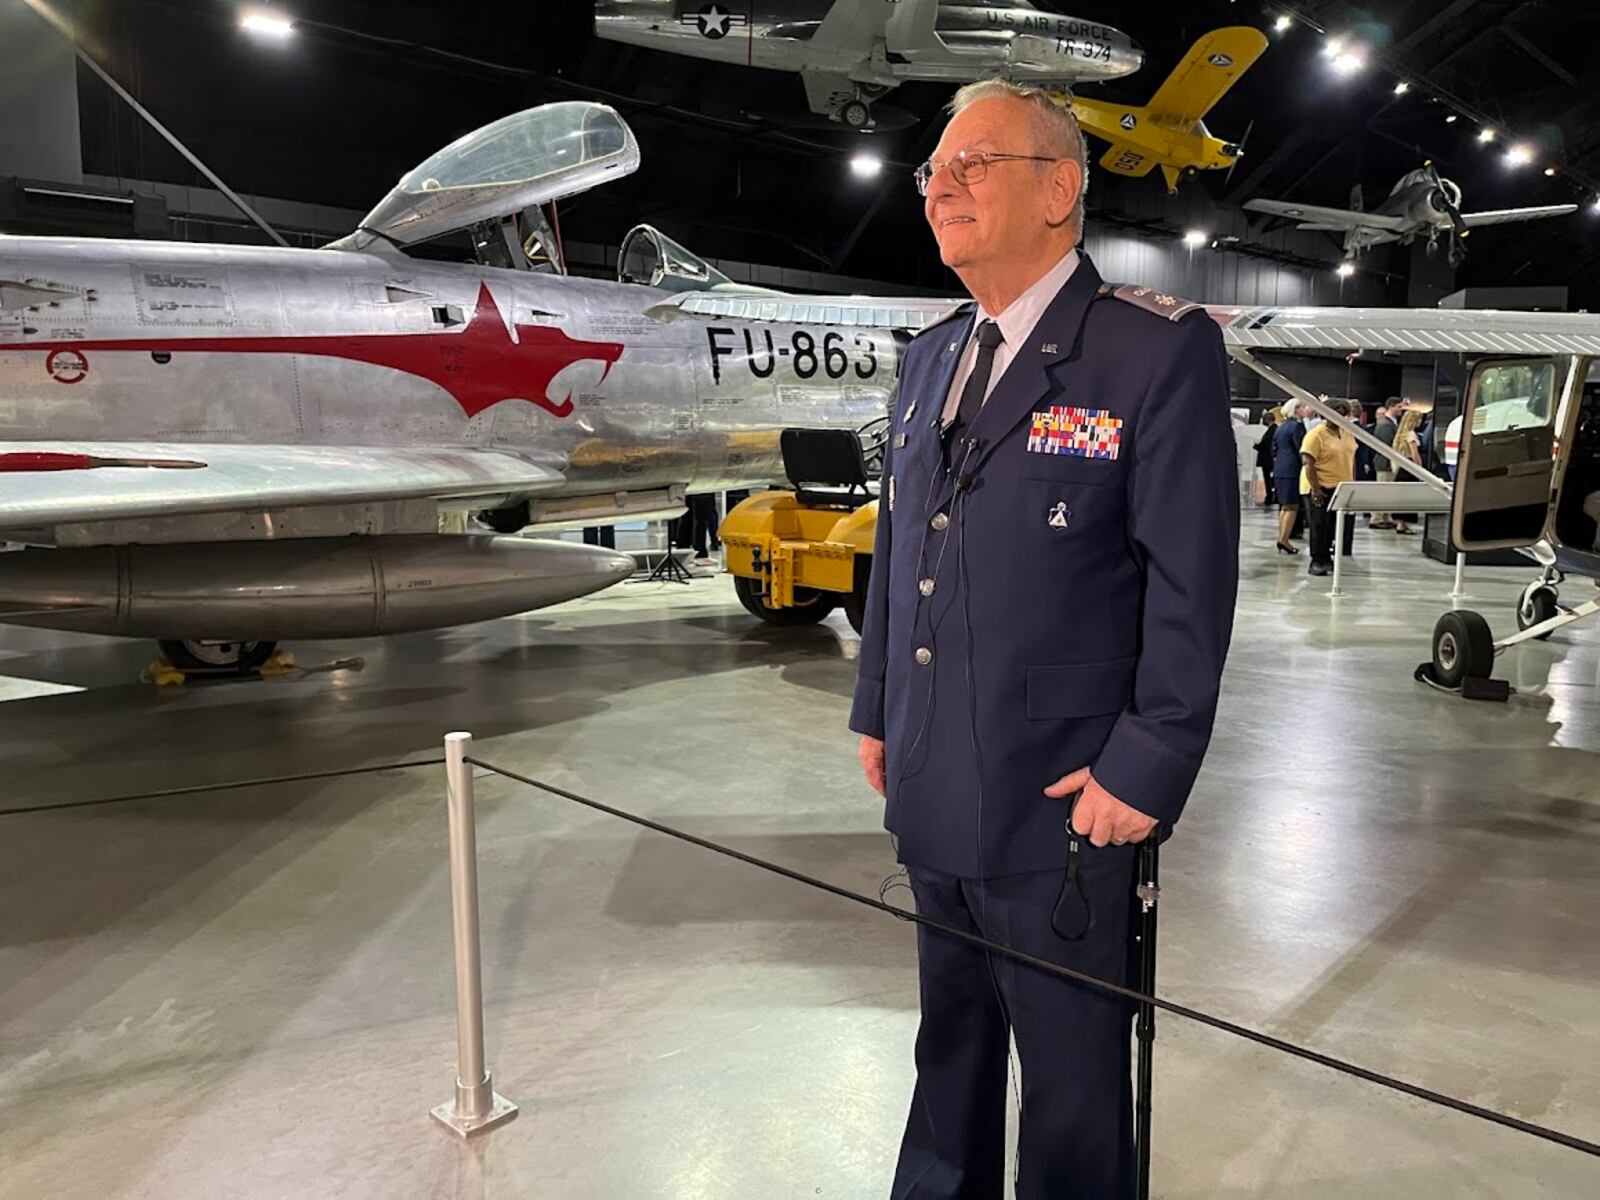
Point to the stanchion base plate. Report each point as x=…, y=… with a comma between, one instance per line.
x=501, y=1111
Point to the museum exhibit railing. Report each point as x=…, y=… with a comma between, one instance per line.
x=476, y=1107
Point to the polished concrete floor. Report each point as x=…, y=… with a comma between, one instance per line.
x=248, y=993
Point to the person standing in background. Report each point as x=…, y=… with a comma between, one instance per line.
x=1286, y=440
x=1327, y=458
x=1266, y=455
x=1384, y=430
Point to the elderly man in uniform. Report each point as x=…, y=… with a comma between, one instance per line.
x=1051, y=602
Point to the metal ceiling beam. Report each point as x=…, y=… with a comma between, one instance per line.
x=1538, y=55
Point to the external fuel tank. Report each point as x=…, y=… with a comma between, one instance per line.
x=302, y=588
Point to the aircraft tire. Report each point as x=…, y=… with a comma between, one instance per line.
x=811, y=607
x=855, y=115
x=220, y=656
x=507, y=520
x=1463, y=648
x=1538, y=604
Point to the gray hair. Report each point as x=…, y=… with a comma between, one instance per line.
x=1055, y=124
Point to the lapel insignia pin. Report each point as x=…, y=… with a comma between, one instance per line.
x=1050, y=348
x=952, y=347
x=1059, y=515
x=910, y=411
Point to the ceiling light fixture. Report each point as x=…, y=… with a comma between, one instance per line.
x=1450, y=120
x=1196, y=238
x=1282, y=24
x=1349, y=62
x=1401, y=88
x=266, y=24
x=1344, y=270
x=866, y=165
x=1519, y=155
x=1550, y=172
x=1486, y=134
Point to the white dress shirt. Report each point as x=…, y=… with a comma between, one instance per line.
x=1016, y=324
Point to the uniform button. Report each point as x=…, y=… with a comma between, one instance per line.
x=924, y=656
x=941, y=520
x=926, y=587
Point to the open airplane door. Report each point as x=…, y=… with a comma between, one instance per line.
x=1505, y=477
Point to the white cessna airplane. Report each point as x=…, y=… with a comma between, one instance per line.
x=1528, y=471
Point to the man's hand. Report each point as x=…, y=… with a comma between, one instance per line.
x=871, y=753
x=1099, y=815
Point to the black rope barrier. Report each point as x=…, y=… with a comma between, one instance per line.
x=228, y=786
x=1240, y=1031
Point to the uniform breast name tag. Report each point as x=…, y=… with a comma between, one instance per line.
x=1083, y=432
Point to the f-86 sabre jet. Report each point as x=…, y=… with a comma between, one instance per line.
x=850, y=53
x=219, y=446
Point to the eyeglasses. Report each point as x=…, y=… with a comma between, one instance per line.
x=969, y=167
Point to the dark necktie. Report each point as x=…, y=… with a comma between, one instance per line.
x=988, y=338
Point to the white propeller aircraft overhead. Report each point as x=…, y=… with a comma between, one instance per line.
x=850, y=53
x=1420, y=203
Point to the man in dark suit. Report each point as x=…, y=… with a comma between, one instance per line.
x=1050, y=606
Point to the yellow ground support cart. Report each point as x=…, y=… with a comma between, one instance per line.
x=796, y=555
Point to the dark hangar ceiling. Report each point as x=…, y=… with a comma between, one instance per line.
x=367, y=89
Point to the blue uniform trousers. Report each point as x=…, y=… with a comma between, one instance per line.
x=1075, y=1139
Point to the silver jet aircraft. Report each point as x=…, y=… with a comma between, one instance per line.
x=221, y=446
x=849, y=53
x=1420, y=203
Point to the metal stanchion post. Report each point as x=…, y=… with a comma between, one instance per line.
x=477, y=1106
x=1460, y=588
x=1148, y=892
x=1338, y=556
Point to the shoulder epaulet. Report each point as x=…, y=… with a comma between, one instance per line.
x=960, y=310
x=1163, y=304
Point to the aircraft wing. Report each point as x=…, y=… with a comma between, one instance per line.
x=1502, y=216
x=1329, y=218
x=1204, y=75
x=910, y=313
x=1424, y=330
x=1124, y=158
x=52, y=483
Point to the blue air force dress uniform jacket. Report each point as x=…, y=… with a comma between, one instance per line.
x=1055, y=589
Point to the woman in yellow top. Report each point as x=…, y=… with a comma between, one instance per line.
x=1327, y=459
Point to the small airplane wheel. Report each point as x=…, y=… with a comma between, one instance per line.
x=810, y=605
x=217, y=656
x=1537, y=606
x=1463, y=648
x=855, y=115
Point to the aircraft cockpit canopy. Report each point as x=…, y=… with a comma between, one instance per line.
x=527, y=159
x=651, y=258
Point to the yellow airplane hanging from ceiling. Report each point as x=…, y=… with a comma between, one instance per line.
x=1169, y=131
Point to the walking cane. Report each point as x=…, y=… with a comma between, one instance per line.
x=1148, y=890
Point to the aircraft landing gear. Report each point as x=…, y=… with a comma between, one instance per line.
x=180, y=660
x=1539, y=603
x=855, y=114
x=1463, y=648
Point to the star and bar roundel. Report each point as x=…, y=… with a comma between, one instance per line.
x=714, y=20
x=480, y=365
